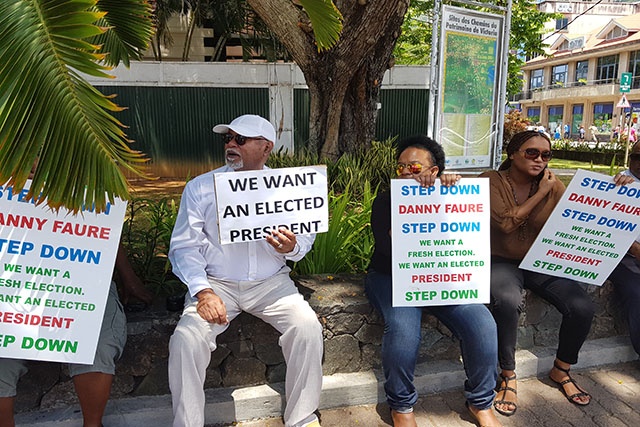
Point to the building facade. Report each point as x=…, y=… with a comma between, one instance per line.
x=579, y=82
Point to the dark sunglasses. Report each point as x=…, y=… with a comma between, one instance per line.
x=240, y=139
x=414, y=168
x=634, y=157
x=534, y=153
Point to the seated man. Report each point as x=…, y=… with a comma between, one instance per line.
x=92, y=382
x=626, y=276
x=224, y=280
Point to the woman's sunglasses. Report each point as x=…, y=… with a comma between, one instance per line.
x=534, y=153
x=240, y=140
x=414, y=168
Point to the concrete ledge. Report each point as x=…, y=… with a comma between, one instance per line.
x=230, y=404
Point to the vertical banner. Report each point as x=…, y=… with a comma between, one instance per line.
x=440, y=248
x=589, y=231
x=470, y=56
x=55, y=274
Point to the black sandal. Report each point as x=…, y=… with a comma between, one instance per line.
x=561, y=385
x=505, y=412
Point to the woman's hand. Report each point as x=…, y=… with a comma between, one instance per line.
x=547, y=182
x=449, y=179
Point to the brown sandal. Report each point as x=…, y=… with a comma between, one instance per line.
x=561, y=385
x=505, y=389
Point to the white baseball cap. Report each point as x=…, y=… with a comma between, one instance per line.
x=249, y=125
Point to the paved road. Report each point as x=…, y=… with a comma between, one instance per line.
x=616, y=403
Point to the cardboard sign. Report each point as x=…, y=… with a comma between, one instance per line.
x=55, y=276
x=440, y=251
x=252, y=203
x=589, y=231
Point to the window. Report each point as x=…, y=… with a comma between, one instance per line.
x=634, y=69
x=561, y=23
x=555, y=118
x=576, y=120
x=602, y=114
x=533, y=114
x=564, y=45
x=616, y=33
x=559, y=75
x=607, y=70
x=582, y=67
x=537, y=78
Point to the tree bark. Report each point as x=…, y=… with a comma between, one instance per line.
x=344, y=82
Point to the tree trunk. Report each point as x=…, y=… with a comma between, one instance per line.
x=344, y=82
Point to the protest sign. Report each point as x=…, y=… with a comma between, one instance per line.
x=589, y=231
x=440, y=236
x=56, y=271
x=252, y=203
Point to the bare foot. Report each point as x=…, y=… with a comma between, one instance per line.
x=484, y=417
x=403, y=420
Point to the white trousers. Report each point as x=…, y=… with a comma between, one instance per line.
x=276, y=301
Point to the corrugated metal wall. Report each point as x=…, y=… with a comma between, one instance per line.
x=172, y=125
x=404, y=112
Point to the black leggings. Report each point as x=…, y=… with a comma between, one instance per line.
x=572, y=301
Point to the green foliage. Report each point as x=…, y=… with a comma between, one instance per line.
x=348, y=244
x=413, y=47
x=146, y=235
x=373, y=165
x=48, y=111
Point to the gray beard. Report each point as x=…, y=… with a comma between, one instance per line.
x=235, y=165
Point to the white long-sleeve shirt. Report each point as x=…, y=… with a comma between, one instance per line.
x=196, y=253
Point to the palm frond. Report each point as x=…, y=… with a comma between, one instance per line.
x=129, y=30
x=326, y=21
x=49, y=112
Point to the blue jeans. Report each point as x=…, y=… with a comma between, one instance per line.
x=472, y=324
x=626, y=287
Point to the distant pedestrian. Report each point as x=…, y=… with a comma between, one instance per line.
x=594, y=130
x=567, y=131
x=581, y=133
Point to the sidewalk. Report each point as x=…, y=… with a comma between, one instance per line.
x=606, y=370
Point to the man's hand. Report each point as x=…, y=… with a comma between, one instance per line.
x=621, y=179
x=282, y=240
x=211, y=307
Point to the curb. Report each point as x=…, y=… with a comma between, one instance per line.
x=226, y=405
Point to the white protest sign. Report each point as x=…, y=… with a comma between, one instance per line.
x=252, y=203
x=440, y=251
x=55, y=276
x=589, y=231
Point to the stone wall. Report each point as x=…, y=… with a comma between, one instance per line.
x=248, y=352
